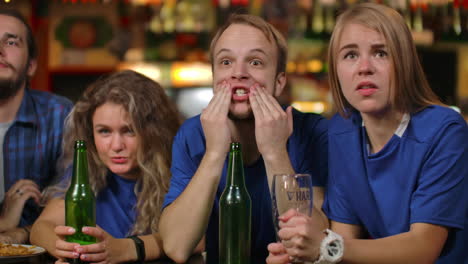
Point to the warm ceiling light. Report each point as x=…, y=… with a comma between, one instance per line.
x=310, y=106
x=191, y=74
x=146, y=2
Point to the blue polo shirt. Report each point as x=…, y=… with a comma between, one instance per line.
x=307, y=148
x=420, y=176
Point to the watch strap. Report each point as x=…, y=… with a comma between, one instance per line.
x=140, y=248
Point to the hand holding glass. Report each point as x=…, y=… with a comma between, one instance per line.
x=291, y=191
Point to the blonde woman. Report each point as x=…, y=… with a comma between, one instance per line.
x=397, y=157
x=128, y=123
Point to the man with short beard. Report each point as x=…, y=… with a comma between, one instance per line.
x=31, y=125
x=248, y=58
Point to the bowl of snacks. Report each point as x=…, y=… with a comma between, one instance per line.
x=21, y=253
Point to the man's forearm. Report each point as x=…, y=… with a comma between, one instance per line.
x=277, y=163
x=183, y=223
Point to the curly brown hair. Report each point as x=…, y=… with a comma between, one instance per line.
x=155, y=120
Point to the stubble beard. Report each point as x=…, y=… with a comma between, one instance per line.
x=9, y=87
x=241, y=117
x=235, y=117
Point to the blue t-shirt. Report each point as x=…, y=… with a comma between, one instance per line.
x=307, y=148
x=418, y=177
x=115, y=206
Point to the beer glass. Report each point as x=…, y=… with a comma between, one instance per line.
x=291, y=191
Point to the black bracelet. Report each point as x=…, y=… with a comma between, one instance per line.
x=28, y=233
x=140, y=248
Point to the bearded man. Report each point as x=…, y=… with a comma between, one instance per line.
x=31, y=124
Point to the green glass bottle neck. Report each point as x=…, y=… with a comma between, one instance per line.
x=80, y=167
x=235, y=171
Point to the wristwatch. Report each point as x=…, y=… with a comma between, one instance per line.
x=331, y=248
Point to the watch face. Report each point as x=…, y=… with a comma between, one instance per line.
x=335, y=249
x=332, y=247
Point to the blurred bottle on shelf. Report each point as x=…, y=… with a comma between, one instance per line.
x=330, y=7
x=451, y=29
x=168, y=16
x=298, y=17
x=417, y=8
x=322, y=20
x=318, y=25
x=255, y=7
x=224, y=8
x=457, y=27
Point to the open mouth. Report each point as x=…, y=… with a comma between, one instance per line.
x=240, y=91
x=367, y=89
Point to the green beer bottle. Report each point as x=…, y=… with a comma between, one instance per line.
x=80, y=204
x=235, y=211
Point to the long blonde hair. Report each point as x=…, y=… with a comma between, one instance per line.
x=411, y=91
x=154, y=119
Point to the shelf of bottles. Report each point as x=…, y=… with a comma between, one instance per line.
x=310, y=23
x=182, y=29
x=445, y=20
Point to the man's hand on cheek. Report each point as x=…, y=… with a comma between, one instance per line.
x=273, y=125
x=214, y=119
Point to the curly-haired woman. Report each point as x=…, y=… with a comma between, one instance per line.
x=129, y=123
